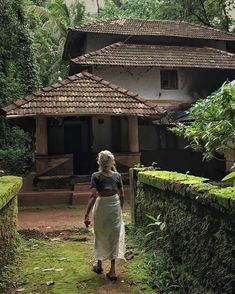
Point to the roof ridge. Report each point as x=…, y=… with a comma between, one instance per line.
x=151, y=20
x=84, y=74
x=93, y=22
x=84, y=56
x=121, y=90
x=219, y=50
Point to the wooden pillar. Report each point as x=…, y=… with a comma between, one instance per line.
x=133, y=134
x=41, y=136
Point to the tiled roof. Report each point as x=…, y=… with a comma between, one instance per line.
x=81, y=94
x=141, y=27
x=158, y=55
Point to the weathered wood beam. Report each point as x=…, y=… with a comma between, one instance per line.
x=133, y=133
x=41, y=136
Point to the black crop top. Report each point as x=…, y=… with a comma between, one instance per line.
x=102, y=182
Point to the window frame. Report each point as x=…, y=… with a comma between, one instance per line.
x=171, y=75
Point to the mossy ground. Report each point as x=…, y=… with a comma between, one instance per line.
x=72, y=256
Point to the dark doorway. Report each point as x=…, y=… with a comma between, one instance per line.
x=77, y=140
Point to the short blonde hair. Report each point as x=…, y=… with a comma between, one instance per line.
x=106, y=161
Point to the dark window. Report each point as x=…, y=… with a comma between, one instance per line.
x=169, y=79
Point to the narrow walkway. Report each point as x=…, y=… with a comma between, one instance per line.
x=57, y=260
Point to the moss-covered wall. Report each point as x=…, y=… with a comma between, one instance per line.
x=9, y=187
x=199, y=220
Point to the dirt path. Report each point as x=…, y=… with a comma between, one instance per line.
x=56, y=218
x=59, y=261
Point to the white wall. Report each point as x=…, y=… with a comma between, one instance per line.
x=146, y=82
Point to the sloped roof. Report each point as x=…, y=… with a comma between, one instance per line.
x=141, y=27
x=82, y=94
x=159, y=56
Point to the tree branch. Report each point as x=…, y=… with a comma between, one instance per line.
x=205, y=13
x=226, y=18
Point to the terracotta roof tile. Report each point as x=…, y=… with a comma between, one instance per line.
x=159, y=56
x=83, y=93
x=141, y=27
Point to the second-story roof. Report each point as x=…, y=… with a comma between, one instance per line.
x=141, y=27
x=159, y=56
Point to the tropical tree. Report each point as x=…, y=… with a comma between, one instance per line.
x=212, y=130
x=49, y=23
x=214, y=13
x=18, y=77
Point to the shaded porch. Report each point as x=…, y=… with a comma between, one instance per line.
x=69, y=145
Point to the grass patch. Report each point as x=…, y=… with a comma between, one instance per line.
x=68, y=264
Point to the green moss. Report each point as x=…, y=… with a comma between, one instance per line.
x=197, y=188
x=199, y=219
x=75, y=258
x=9, y=187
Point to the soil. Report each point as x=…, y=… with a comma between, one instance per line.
x=48, y=219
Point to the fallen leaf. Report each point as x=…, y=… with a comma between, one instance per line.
x=59, y=269
x=62, y=258
x=48, y=270
x=20, y=289
x=56, y=239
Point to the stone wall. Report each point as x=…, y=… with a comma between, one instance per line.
x=9, y=187
x=199, y=217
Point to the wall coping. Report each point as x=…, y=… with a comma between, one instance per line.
x=9, y=187
x=196, y=188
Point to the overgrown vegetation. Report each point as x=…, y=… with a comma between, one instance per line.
x=212, y=130
x=197, y=236
x=32, y=39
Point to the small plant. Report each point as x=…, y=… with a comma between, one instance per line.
x=230, y=176
x=157, y=223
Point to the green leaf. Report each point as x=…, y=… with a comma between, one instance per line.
x=229, y=176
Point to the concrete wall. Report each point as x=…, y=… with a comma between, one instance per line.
x=192, y=83
x=96, y=41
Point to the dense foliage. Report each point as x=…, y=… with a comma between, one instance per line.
x=214, y=13
x=32, y=37
x=18, y=77
x=212, y=129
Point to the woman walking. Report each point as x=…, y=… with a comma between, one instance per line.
x=106, y=199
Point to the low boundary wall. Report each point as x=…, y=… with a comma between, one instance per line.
x=200, y=223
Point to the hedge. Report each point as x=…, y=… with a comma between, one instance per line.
x=9, y=187
x=199, y=218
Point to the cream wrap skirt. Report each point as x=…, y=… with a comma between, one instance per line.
x=108, y=228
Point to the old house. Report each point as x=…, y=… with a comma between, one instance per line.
x=128, y=81
x=169, y=63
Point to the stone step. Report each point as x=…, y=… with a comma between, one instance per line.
x=45, y=198
x=81, y=187
x=81, y=198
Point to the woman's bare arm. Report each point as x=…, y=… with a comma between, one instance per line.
x=121, y=196
x=94, y=194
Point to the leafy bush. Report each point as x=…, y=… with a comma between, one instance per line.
x=16, y=151
x=212, y=130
